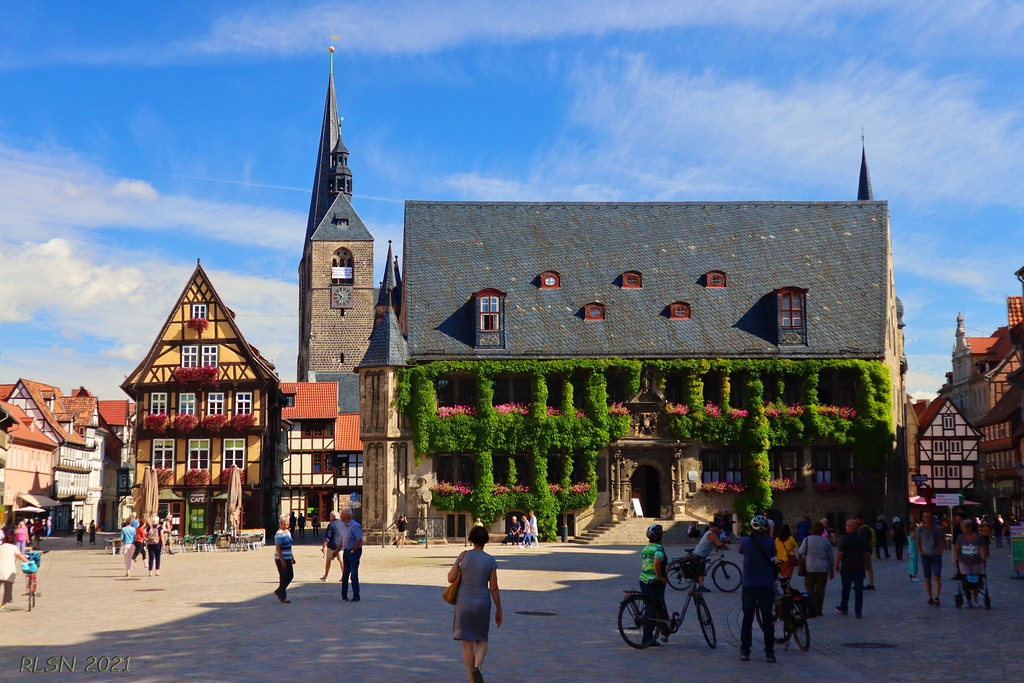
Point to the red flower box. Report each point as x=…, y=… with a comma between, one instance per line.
x=225, y=475
x=164, y=476
x=243, y=421
x=203, y=375
x=185, y=422
x=215, y=422
x=156, y=421
x=199, y=325
x=197, y=477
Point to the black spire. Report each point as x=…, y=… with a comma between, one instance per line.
x=864, y=193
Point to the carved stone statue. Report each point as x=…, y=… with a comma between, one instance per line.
x=644, y=425
x=423, y=498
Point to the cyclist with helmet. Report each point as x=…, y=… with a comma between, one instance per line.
x=653, y=579
x=759, y=574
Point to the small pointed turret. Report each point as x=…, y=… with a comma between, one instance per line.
x=387, y=296
x=864, y=193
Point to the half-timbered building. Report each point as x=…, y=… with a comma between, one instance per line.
x=1002, y=452
x=324, y=465
x=947, y=448
x=206, y=400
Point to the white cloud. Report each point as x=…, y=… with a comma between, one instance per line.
x=56, y=193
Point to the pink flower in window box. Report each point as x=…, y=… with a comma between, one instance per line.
x=225, y=475
x=197, y=478
x=185, y=422
x=156, y=421
x=198, y=325
x=202, y=375
x=243, y=421
x=214, y=422
x=164, y=476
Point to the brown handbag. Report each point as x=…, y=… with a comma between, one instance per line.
x=451, y=593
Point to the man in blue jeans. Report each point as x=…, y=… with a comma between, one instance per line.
x=931, y=542
x=851, y=563
x=758, y=552
x=352, y=550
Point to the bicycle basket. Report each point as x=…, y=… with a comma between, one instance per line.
x=692, y=567
x=29, y=567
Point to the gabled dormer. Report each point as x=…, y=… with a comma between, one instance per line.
x=489, y=319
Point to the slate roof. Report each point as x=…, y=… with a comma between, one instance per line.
x=348, y=389
x=313, y=400
x=327, y=211
x=346, y=433
x=390, y=282
x=387, y=343
x=838, y=251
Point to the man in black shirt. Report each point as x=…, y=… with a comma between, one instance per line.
x=865, y=532
x=853, y=558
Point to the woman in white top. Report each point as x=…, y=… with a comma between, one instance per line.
x=820, y=559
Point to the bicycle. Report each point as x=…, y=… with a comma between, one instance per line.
x=633, y=622
x=35, y=558
x=726, y=575
x=789, y=617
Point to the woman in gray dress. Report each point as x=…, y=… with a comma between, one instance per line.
x=473, y=605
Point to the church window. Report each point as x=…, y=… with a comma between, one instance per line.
x=715, y=278
x=550, y=280
x=189, y=356
x=342, y=267
x=632, y=279
x=594, y=311
x=199, y=311
x=679, y=311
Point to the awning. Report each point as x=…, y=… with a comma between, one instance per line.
x=224, y=496
x=38, y=500
x=167, y=494
x=918, y=500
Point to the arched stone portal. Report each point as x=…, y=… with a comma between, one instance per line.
x=646, y=485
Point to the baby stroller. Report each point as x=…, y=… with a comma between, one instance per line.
x=972, y=582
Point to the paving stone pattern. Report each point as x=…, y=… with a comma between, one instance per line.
x=211, y=617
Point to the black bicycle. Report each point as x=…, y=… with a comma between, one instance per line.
x=726, y=575
x=789, y=617
x=640, y=630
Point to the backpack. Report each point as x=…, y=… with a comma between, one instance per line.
x=153, y=535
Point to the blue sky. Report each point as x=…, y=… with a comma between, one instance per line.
x=135, y=138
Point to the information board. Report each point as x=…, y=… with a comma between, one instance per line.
x=637, y=510
x=948, y=500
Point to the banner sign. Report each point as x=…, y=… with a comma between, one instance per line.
x=341, y=273
x=197, y=497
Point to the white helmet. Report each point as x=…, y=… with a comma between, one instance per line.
x=760, y=523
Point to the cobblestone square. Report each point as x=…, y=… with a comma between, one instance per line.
x=212, y=617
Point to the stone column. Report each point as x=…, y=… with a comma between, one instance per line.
x=678, y=484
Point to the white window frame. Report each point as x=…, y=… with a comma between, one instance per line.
x=215, y=403
x=186, y=404
x=243, y=402
x=490, y=313
x=163, y=453
x=948, y=422
x=940, y=471
x=939, y=447
x=234, y=453
x=953, y=472
x=199, y=311
x=158, y=403
x=199, y=454
x=190, y=356
x=955, y=448
x=211, y=355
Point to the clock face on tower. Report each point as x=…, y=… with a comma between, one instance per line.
x=341, y=297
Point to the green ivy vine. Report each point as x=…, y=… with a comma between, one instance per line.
x=552, y=441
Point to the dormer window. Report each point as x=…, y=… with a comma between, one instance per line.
x=550, y=280
x=594, y=311
x=679, y=311
x=490, y=319
x=715, y=278
x=791, y=308
x=791, y=304
x=632, y=279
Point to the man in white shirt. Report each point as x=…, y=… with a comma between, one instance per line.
x=708, y=542
x=532, y=534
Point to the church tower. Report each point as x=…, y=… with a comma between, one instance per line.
x=336, y=292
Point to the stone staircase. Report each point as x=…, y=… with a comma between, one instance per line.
x=632, y=532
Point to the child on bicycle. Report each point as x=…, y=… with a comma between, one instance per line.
x=653, y=579
x=8, y=554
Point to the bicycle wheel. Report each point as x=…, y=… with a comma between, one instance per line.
x=632, y=622
x=727, y=576
x=801, y=629
x=778, y=625
x=707, y=625
x=31, y=592
x=676, y=580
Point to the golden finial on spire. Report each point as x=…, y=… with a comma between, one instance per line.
x=331, y=50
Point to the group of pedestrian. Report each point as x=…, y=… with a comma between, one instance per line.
x=80, y=530
x=139, y=538
x=343, y=541
x=523, y=534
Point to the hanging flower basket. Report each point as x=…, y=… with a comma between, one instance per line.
x=201, y=375
x=214, y=422
x=199, y=325
x=197, y=477
x=225, y=475
x=722, y=487
x=185, y=422
x=157, y=422
x=243, y=421
x=164, y=476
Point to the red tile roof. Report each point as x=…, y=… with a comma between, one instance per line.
x=346, y=433
x=925, y=414
x=22, y=432
x=981, y=345
x=313, y=400
x=114, y=413
x=39, y=393
x=1014, y=310
x=5, y=391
